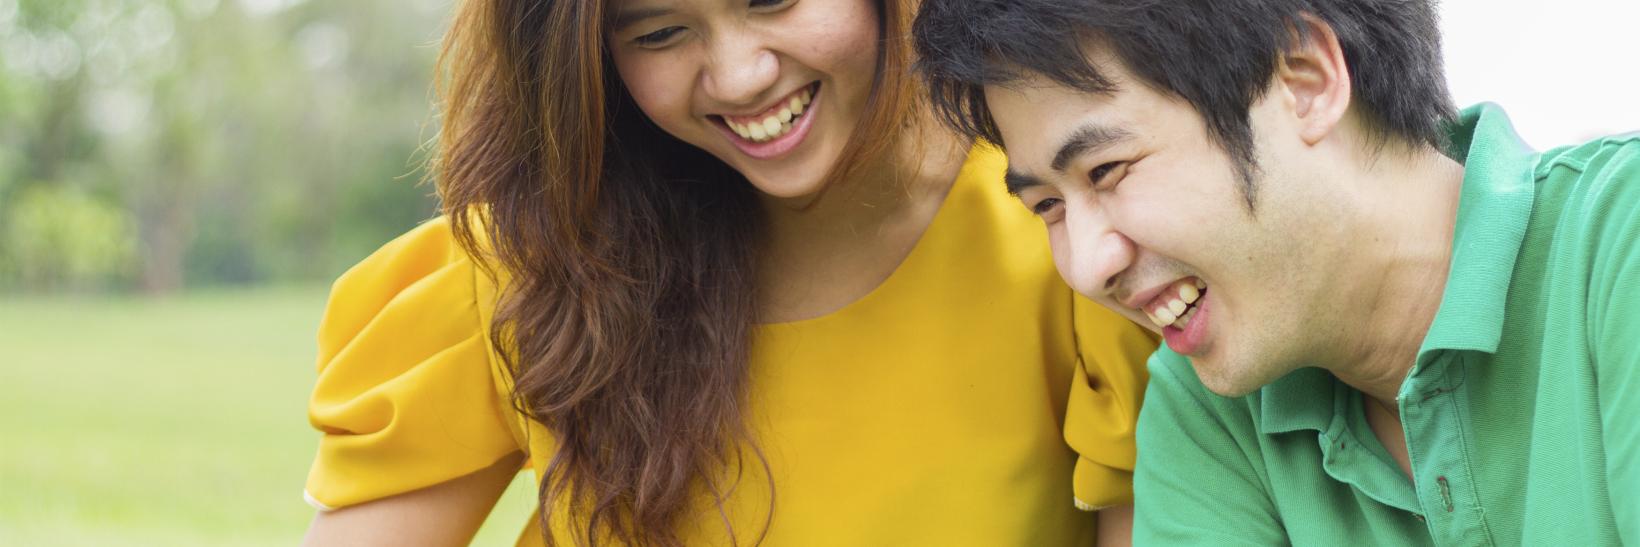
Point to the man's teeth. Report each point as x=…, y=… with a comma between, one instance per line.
x=775, y=125
x=1189, y=293
x=1184, y=320
x=1177, y=311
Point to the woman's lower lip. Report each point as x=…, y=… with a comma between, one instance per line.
x=779, y=146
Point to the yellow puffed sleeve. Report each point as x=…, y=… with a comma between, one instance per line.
x=405, y=395
x=1104, y=403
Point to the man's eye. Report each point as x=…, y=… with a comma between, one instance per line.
x=768, y=3
x=1107, y=173
x=658, y=37
x=1045, y=206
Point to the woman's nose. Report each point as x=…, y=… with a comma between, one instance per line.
x=740, y=71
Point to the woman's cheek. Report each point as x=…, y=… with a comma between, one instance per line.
x=656, y=89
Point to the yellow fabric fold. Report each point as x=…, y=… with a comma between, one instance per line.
x=1106, y=393
x=405, y=395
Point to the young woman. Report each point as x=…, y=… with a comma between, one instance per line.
x=710, y=270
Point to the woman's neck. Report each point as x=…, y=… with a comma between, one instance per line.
x=822, y=255
x=920, y=166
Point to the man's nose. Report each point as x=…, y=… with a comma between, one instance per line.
x=1102, y=255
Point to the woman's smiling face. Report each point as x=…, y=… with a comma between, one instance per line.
x=773, y=88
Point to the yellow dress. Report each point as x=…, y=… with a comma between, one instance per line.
x=949, y=406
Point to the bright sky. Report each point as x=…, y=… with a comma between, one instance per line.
x=1565, y=71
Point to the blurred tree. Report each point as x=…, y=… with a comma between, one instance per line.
x=61, y=238
x=233, y=141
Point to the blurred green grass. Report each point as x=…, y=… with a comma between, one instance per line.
x=165, y=421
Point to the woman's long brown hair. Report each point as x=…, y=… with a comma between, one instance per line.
x=630, y=256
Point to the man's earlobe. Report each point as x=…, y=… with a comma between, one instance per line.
x=1315, y=75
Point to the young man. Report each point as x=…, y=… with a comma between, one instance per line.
x=1387, y=322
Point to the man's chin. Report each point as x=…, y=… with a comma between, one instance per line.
x=1227, y=383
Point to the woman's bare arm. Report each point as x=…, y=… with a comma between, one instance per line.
x=447, y=513
x=1116, y=526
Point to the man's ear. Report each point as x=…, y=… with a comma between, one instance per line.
x=1315, y=79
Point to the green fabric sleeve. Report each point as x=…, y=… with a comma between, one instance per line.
x=1615, y=326
x=1199, y=479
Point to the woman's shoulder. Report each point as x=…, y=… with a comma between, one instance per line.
x=408, y=392
x=981, y=193
x=982, y=225
x=424, y=272
x=411, y=300
x=429, y=247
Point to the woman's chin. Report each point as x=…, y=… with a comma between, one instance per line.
x=794, y=190
x=796, y=181
x=795, y=178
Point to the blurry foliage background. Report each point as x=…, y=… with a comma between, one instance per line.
x=152, y=145
x=179, y=180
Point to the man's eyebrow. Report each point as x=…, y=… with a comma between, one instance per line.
x=1017, y=182
x=1088, y=137
x=627, y=18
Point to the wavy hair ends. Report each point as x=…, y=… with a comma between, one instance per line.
x=629, y=261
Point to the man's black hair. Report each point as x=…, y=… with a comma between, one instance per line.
x=1218, y=55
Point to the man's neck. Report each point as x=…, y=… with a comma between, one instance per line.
x=1398, y=259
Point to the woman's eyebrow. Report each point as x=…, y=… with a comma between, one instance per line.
x=628, y=17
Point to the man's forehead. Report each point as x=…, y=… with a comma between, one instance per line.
x=1038, y=120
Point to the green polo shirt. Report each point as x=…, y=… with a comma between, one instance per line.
x=1522, y=413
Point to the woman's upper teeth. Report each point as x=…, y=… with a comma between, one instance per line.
x=776, y=123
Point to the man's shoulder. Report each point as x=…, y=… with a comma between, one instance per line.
x=1588, y=195
x=1610, y=154
x=1591, y=179
x=1586, y=223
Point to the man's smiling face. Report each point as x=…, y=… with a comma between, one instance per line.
x=1149, y=216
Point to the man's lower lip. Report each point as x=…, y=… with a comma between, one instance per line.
x=1188, y=341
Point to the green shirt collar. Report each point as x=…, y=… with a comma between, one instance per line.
x=1300, y=400
x=1493, y=211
